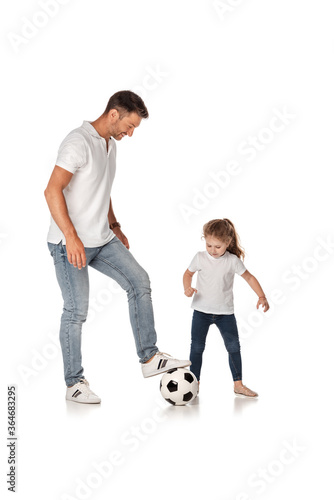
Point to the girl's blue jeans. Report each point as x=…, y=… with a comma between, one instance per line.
x=115, y=261
x=227, y=326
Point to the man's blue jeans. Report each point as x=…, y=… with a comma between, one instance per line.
x=227, y=326
x=114, y=260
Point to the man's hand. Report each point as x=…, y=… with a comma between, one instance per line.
x=189, y=292
x=75, y=252
x=121, y=237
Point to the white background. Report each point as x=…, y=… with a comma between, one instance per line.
x=212, y=80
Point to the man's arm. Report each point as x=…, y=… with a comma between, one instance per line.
x=117, y=230
x=55, y=199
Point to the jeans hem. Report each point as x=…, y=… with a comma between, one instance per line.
x=142, y=361
x=75, y=381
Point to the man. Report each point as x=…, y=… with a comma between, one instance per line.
x=84, y=232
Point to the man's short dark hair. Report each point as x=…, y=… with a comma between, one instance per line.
x=125, y=102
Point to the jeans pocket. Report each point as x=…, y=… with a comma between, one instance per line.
x=57, y=252
x=51, y=250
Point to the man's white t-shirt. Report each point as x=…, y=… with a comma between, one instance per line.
x=215, y=277
x=84, y=153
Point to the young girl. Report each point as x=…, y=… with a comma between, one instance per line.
x=213, y=299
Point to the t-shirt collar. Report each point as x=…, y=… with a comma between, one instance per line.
x=89, y=127
x=214, y=258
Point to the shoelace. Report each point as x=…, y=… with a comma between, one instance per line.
x=84, y=387
x=164, y=354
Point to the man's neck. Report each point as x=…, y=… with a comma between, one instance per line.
x=101, y=127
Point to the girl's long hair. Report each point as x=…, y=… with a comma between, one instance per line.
x=224, y=230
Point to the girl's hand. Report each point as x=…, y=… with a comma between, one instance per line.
x=189, y=292
x=264, y=303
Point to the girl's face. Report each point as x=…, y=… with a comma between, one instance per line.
x=216, y=248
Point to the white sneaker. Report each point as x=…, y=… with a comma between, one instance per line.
x=81, y=393
x=161, y=363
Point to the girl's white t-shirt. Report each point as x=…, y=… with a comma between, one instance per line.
x=214, y=284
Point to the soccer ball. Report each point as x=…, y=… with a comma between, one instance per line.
x=179, y=386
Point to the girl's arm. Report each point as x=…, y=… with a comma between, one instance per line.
x=188, y=290
x=255, y=285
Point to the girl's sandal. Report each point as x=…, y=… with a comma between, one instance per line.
x=244, y=392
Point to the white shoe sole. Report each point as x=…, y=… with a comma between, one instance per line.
x=83, y=402
x=166, y=369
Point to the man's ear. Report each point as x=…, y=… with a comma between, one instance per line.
x=113, y=115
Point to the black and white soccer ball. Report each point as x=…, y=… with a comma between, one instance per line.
x=179, y=386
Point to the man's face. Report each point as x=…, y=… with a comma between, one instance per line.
x=119, y=127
